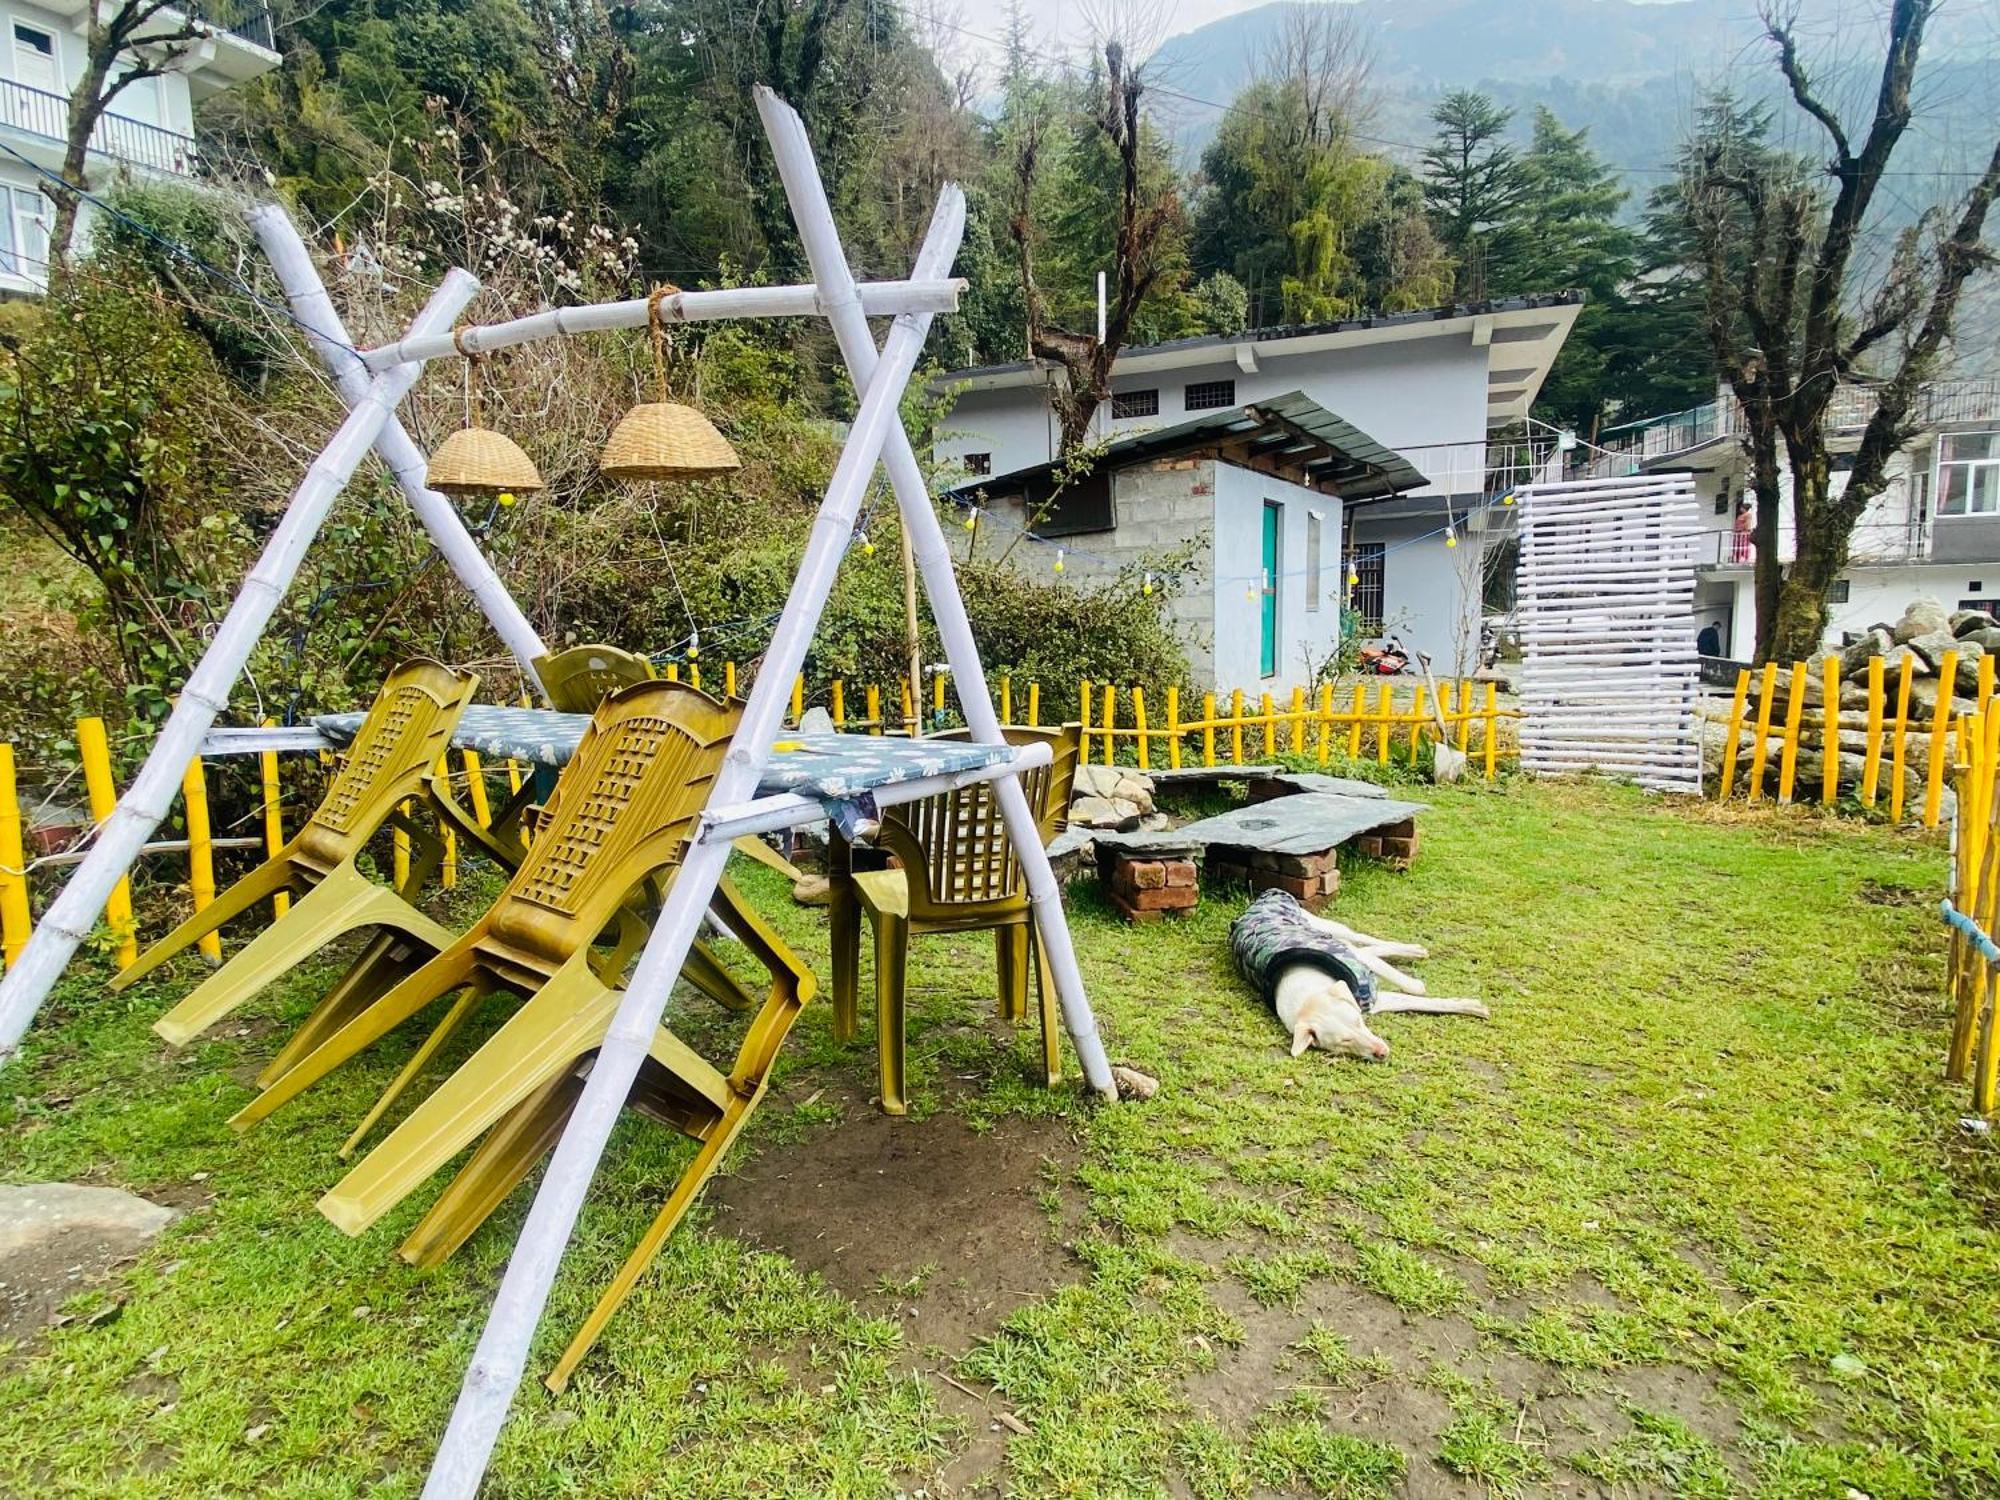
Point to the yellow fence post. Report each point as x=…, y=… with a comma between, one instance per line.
x=1325, y=722
x=1788, y=752
x=1416, y=722
x=1360, y=713
x=1940, y=727
x=1726, y=781
x=1108, y=723
x=1385, y=719
x=1006, y=700
x=1464, y=713
x=909, y=710
x=1208, y=729
x=1083, y=698
x=837, y=703
x=1898, y=742
x=16, y=918
x=1766, y=700
x=694, y=675
x=274, y=822
x=937, y=693
x=673, y=671
x=448, y=866
x=1829, y=776
x=729, y=679
x=1174, y=727
x=874, y=708
x=1985, y=684
x=475, y=788
x=1034, y=705
x=93, y=748
x=201, y=849
x=1871, y=761
x=1492, y=727
x=1139, y=725
x=1298, y=721
x=1236, y=725
x=798, y=697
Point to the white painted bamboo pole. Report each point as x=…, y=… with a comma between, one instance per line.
x=306, y=292
x=806, y=194
x=502, y=1353
x=153, y=790
x=881, y=299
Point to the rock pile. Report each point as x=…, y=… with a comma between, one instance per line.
x=1113, y=797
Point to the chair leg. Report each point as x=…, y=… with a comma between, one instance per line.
x=528, y=1133
x=564, y=1020
x=260, y=884
x=844, y=929
x=344, y=901
x=447, y=972
x=698, y=1171
x=1010, y=943
x=388, y=959
x=892, y=963
x=1045, y=993
x=459, y=1009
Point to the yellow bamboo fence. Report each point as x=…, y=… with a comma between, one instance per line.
x=1890, y=749
x=1379, y=721
x=1972, y=909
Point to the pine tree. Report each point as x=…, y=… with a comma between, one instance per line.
x=1474, y=185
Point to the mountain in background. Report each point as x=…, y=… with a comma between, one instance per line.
x=1630, y=72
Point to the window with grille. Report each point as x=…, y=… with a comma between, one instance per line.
x=1135, y=403
x=1210, y=395
x=1364, y=594
x=978, y=463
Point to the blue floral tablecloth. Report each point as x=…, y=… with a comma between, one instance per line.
x=830, y=767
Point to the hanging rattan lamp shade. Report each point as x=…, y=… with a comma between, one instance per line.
x=480, y=461
x=665, y=440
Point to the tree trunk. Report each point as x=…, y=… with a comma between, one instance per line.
x=1768, y=572
x=1820, y=529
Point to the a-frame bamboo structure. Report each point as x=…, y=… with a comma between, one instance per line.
x=372, y=383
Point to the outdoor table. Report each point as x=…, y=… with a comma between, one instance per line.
x=843, y=773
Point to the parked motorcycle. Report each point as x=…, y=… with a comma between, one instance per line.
x=1388, y=659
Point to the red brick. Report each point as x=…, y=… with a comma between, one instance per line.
x=1132, y=913
x=1180, y=872
x=1304, y=864
x=1145, y=875
x=1164, y=898
x=1369, y=845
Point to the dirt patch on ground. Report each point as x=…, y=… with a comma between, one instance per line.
x=926, y=1220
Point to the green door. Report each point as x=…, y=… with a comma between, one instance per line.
x=1267, y=610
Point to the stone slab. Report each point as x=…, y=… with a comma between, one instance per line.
x=1303, y=824
x=33, y=1214
x=1285, y=783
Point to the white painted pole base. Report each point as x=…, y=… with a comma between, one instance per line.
x=807, y=196
x=502, y=1354
x=147, y=801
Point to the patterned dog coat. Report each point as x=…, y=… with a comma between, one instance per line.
x=1274, y=933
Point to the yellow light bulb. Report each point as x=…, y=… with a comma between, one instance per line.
x=1059, y=559
x=1451, y=539
x=971, y=519
x=506, y=497
x=867, y=547
x=1353, y=579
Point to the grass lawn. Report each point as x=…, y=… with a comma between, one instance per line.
x=1691, y=1215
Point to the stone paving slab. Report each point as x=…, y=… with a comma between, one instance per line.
x=1306, y=823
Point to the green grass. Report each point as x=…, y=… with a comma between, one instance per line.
x=1691, y=1215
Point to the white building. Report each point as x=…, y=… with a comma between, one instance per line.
x=149, y=131
x=1424, y=387
x=1934, y=530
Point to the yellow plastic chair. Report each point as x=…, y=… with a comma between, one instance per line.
x=408, y=727
x=957, y=874
x=576, y=680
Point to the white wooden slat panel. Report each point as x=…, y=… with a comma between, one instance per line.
x=1605, y=597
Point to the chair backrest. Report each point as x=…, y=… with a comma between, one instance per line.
x=623, y=810
x=406, y=730
x=580, y=678
x=954, y=845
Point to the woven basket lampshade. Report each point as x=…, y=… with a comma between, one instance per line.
x=665, y=440
x=480, y=461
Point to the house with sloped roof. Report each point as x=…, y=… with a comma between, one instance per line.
x=1287, y=462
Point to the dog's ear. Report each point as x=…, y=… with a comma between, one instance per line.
x=1303, y=1038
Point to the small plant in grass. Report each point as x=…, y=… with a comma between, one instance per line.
x=1407, y=1279
x=1660, y=1452
x=1333, y=1357
x=906, y=1287
x=1278, y=1276
x=1477, y=1446
x=1289, y=1451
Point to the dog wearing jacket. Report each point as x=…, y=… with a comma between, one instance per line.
x=1321, y=978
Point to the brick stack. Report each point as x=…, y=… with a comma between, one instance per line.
x=1395, y=844
x=1310, y=877
x=1148, y=886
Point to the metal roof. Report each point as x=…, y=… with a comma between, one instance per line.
x=1292, y=428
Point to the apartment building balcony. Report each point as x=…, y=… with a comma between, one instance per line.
x=1888, y=544
x=1662, y=440
x=44, y=117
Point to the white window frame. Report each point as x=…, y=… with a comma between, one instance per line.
x=14, y=51
x=1991, y=461
x=20, y=206
x=1314, y=542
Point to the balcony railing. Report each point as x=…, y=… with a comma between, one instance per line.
x=39, y=112
x=1942, y=403
x=249, y=19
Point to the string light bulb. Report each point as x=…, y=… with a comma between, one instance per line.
x=971, y=517
x=1147, y=589
x=867, y=547
x=1353, y=579
x=1451, y=538
x=694, y=644
x=1508, y=499
x=506, y=498
x=1059, y=559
